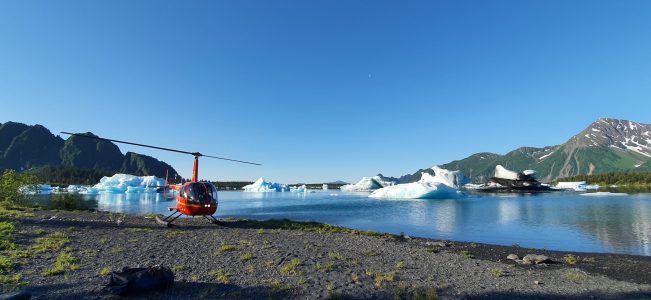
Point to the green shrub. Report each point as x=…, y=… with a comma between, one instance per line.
x=11, y=183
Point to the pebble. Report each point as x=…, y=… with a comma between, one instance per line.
x=512, y=257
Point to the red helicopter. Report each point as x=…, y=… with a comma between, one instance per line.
x=196, y=198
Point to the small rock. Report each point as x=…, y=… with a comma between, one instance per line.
x=512, y=257
x=438, y=244
x=535, y=259
x=537, y=282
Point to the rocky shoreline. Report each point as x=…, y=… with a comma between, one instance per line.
x=64, y=254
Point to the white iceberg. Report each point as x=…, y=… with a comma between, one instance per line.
x=124, y=183
x=298, y=189
x=367, y=184
x=501, y=172
x=443, y=185
x=262, y=186
x=603, y=194
x=89, y=190
x=579, y=186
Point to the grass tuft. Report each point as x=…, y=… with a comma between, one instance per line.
x=325, y=268
x=570, y=259
x=575, y=276
x=380, y=278
x=220, y=275
x=6, y=264
x=64, y=262
x=246, y=257
x=10, y=279
x=335, y=256
x=467, y=254
x=400, y=265
x=433, y=249
x=226, y=248
x=7, y=230
x=51, y=242
x=290, y=268
x=497, y=272
x=177, y=268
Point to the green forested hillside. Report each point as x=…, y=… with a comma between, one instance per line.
x=25, y=147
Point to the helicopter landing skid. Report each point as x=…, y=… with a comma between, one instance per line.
x=167, y=221
x=213, y=220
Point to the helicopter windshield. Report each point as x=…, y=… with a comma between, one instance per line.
x=202, y=192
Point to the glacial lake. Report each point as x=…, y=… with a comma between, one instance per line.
x=555, y=221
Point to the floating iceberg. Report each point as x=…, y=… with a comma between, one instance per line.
x=513, y=182
x=38, y=189
x=443, y=185
x=298, y=189
x=82, y=189
x=124, y=183
x=367, y=184
x=579, y=186
x=603, y=194
x=261, y=186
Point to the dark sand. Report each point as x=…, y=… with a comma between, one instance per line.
x=258, y=260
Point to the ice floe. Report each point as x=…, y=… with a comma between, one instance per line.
x=603, y=194
x=367, y=184
x=579, y=186
x=124, y=183
x=443, y=185
x=262, y=186
x=298, y=189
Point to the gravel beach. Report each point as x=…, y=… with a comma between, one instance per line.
x=248, y=259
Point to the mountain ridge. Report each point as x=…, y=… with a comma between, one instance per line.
x=606, y=145
x=24, y=147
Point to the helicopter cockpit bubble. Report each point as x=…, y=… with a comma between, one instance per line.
x=201, y=192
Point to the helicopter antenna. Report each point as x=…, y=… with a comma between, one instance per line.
x=195, y=154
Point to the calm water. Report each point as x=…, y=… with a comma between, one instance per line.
x=559, y=221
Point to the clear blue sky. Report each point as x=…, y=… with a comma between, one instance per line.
x=325, y=90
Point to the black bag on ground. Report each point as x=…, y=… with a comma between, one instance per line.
x=131, y=280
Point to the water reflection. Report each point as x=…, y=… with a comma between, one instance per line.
x=563, y=221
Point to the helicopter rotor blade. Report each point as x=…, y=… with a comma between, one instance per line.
x=235, y=160
x=197, y=154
